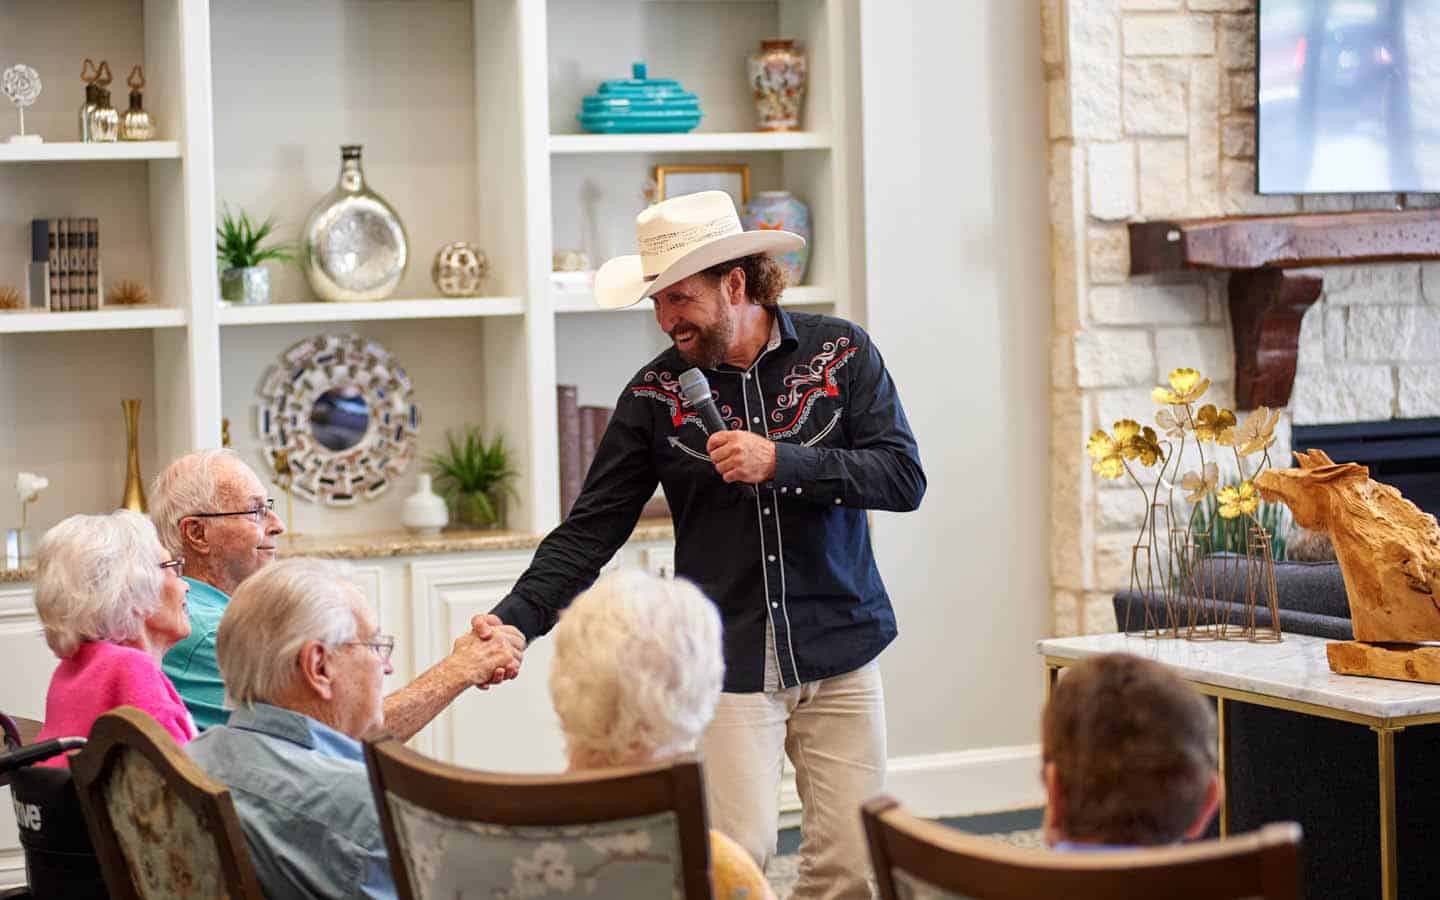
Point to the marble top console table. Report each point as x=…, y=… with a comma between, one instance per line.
x=1292, y=675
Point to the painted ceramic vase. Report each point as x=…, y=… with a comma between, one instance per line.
x=782, y=211
x=777, y=81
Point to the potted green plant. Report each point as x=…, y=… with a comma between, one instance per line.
x=237, y=242
x=475, y=477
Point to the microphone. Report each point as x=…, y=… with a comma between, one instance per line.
x=696, y=391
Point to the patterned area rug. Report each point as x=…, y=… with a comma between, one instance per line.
x=783, y=870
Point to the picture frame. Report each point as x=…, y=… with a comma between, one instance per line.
x=673, y=181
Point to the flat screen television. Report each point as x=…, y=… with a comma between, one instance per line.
x=1348, y=96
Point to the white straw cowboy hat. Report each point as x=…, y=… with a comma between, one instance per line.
x=679, y=237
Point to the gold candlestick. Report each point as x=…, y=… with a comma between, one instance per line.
x=134, y=497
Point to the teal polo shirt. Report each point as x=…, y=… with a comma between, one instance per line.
x=191, y=664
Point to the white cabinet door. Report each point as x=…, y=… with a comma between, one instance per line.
x=26, y=677
x=510, y=727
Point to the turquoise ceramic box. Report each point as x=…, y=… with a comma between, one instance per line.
x=640, y=105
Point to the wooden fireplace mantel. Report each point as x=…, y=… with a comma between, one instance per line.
x=1274, y=261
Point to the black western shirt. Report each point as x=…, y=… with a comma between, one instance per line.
x=793, y=552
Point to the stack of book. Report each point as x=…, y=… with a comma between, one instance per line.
x=65, y=264
x=579, y=430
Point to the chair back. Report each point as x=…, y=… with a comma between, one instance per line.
x=916, y=859
x=163, y=829
x=603, y=835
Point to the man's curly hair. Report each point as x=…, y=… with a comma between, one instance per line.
x=764, y=279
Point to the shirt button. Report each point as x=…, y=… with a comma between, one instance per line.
x=837, y=501
x=747, y=376
x=755, y=419
x=767, y=510
x=774, y=606
x=771, y=557
x=799, y=490
x=783, y=489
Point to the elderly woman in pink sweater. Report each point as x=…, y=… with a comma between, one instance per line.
x=112, y=602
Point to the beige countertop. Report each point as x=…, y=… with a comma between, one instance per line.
x=376, y=545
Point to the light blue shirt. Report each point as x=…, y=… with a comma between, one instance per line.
x=303, y=796
x=191, y=664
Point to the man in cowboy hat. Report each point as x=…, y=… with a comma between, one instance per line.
x=770, y=521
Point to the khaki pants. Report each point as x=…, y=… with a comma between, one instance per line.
x=833, y=730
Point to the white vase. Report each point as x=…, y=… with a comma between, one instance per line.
x=424, y=511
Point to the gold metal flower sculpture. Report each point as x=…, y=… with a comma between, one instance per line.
x=1166, y=556
x=1238, y=500
x=1201, y=484
x=1255, y=434
x=1211, y=423
x=1186, y=386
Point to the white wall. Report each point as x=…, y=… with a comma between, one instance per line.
x=957, y=252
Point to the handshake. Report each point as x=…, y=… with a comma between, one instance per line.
x=489, y=653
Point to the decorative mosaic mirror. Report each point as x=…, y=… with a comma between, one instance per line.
x=336, y=419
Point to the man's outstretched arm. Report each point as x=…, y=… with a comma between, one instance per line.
x=487, y=654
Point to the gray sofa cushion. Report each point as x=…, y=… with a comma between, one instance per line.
x=1311, y=597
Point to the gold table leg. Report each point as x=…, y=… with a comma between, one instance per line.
x=1224, y=769
x=1389, y=857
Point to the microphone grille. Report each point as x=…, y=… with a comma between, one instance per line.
x=694, y=386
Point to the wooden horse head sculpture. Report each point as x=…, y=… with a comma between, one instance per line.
x=1389, y=551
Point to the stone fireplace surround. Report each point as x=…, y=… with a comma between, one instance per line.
x=1152, y=116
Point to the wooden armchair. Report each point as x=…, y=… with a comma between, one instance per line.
x=618, y=833
x=161, y=826
x=916, y=859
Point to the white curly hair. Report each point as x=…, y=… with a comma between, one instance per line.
x=97, y=578
x=637, y=669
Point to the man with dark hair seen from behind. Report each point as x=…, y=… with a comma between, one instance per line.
x=1130, y=757
x=770, y=522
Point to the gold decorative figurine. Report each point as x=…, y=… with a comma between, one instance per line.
x=136, y=124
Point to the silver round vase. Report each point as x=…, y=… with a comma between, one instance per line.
x=355, y=246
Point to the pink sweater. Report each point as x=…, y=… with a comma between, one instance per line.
x=101, y=676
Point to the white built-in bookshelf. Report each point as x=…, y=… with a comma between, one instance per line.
x=466, y=110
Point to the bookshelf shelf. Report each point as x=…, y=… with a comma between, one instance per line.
x=320, y=311
x=73, y=151
x=713, y=142
x=575, y=302
x=99, y=320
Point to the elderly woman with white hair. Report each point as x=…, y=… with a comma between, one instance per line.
x=112, y=602
x=636, y=677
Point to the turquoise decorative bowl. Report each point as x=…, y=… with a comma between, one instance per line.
x=640, y=105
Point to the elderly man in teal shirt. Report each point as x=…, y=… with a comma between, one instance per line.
x=212, y=510
x=303, y=661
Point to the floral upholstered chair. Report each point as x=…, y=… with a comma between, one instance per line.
x=162, y=828
x=916, y=859
x=603, y=835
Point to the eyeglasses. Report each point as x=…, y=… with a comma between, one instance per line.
x=177, y=564
x=257, y=514
x=382, y=646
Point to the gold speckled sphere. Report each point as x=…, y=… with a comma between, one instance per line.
x=459, y=269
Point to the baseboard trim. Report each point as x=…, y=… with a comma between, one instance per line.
x=12, y=867
x=962, y=783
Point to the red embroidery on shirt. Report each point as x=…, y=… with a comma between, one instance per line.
x=806, y=383
x=664, y=388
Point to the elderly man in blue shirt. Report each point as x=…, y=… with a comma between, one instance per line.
x=303, y=665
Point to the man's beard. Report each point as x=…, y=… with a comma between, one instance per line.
x=710, y=345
